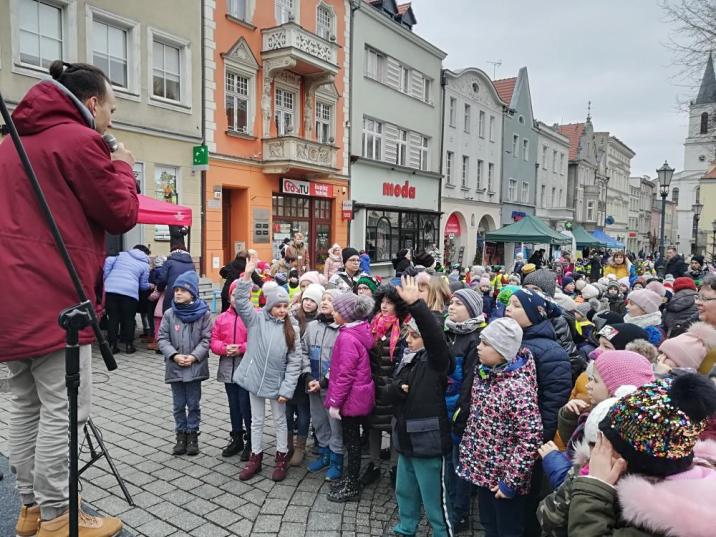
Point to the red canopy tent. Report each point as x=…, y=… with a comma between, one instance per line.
x=152, y=211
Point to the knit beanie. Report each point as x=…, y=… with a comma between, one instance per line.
x=312, y=276
x=353, y=307
x=507, y=291
x=656, y=427
x=529, y=267
x=583, y=308
x=589, y=292
x=544, y=279
x=424, y=259
x=472, y=301
x=565, y=302
x=485, y=281
x=566, y=280
x=274, y=297
x=505, y=336
x=188, y=281
x=599, y=412
x=536, y=306
x=698, y=258
x=280, y=278
x=690, y=348
x=422, y=278
x=646, y=299
x=618, y=368
x=368, y=280
x=313, y=292
x=580, y=284
x=347, y=253
x=656, y=287
x=455, y=285
x=621, y=334
x=624, y=281
x=684, y=283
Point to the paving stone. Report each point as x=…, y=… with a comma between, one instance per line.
x=322, y=520
x=210, y=530
x=243, y=528
x=223, y=517
x=292, y=529
x=267, y=523
x=207, y=491
x=295, y=513
x=200, y=506
x=156, y=528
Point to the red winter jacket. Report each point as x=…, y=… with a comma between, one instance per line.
x=88, y=194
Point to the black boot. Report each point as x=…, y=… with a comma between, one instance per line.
x=348, y=492
x=180, y=447
x=192, y=443
x=115, y=349
x=129, y=349
x=236, y=445
x=370, y=475
x=246, y=453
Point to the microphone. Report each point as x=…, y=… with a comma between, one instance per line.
x=111, y=141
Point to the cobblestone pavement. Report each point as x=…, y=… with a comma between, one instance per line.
x=202, y=495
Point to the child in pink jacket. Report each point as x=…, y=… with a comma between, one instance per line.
x=228, y=340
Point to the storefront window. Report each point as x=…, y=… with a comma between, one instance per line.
x=310, y=216
x=387, y=232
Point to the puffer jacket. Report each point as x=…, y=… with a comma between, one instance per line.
x=127, y=273
x=459, y=390
x=350, y=386
x=177, y=337
x=382, y=367
x=331, y=265
x=317, y=346
x=554, y=374
x=563, y=330
x=176, y=264
x=625, y=270
x=680, y=312
x=268, y=369
x=228, y=329
x=504, y=430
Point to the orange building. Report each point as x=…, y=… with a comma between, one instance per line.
x=277, y=104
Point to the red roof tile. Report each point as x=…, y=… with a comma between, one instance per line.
x=573, y=131
x=711, y=172
x=505, y=87
x=403, y=8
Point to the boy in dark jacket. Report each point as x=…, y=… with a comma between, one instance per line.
x=421, y=431
x=178, y=262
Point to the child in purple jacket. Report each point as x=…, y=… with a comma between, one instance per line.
x=351, y=391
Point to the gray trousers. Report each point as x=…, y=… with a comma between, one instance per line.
x=258, y=415
x=38, y=439
x=328, y=431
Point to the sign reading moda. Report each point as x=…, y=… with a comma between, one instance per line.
x=396, y=190
x=306, y=188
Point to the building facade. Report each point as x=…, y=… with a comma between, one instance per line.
x=552, y=177
x=277, y=105
x=519, y=149
x=618, y=168
x=639, y=233
x=395, y=134
x=472, y=164
x=154, y=64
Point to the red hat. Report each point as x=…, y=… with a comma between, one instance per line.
x=684, y=283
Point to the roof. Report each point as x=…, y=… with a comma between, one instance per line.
x=707, y=91
x=711, y=172
x=403, y=8
x=584, y=239
x=529, y=229
x=573, y=131
x=505, y=88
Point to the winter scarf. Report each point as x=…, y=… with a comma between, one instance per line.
x=381, y=325
x=191, y=311
x=465, y=327
x=643, y=321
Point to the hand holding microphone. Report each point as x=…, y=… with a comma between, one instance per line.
x=117, y=149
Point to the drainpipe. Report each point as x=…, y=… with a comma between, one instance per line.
x=443, y=84
x=202, y=258
x=354, y=6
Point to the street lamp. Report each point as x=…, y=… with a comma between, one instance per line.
x=713, y=243
x=665, y=173
x=697, y=208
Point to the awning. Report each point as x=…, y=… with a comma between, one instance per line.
x=452, y=225
x=610, y=242
x=585, y=239
x=529, y=229
x=152, y=211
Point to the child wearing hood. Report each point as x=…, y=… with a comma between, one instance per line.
x=184, y=338
x=504, y=430
x=568, y=286
x=643, y=310
x=614, y=296
x=681, y=310
x=334, y=261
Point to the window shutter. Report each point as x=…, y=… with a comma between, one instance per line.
x=392, y=73
x=414, y=140
x=416, y=84
x=390, y=137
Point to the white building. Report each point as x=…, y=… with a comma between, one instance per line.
x=552, y=183
x=618, y=170
x=472, y=163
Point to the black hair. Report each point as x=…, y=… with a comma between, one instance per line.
x=142, y=248
x=82, y=79
x=391, y=293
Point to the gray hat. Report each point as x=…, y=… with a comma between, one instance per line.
x=471, y=299
x=544, y=279
x=505, y=336
x=413, y=326
x=274, y=297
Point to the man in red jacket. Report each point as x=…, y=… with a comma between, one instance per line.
x=90, y=192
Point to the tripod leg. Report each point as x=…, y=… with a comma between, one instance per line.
x=72, y=380
x=103, y=452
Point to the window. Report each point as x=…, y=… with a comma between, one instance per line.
x=554, y=201
x=324, y=22
x=590, y=210
x=284, y=11
x=560, y=201
x=525, y=150
x=324, y=122
x=423, y=153
x=704, y=123
x=404, y=79
x=490, y=176
x=468, y=117
x=453, y=107
x=41, y=39
x=544, y=157
x=237, y=103
x=372, y=139
x=138, y=170
x=512, y=190
x=166, y=71
x=449, y=158
x=427, y=89
x=481, y=124
x=515, y=145
x=237, y=9
x=389, y=231
x=541, y=196
x=675, y=195
x=109, y=51
x=165, y=183
x=480, y=166
x=561, y=164
x=401, y=147
x=374, y=64
x=554, y=161
x=492, y=128
x=525, y=191
x=285, y=111
x=465, y=170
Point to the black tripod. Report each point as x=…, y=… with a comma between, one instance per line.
x=72, y=320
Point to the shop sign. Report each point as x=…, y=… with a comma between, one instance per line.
x=406, y=190
x=518, y=215
x=632, y=234
x=306, y=188
x=347, y=210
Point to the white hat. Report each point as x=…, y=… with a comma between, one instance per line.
x=313, y=292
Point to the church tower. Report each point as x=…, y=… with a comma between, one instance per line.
x=700, y=145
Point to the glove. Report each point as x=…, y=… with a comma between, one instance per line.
x=335, y=413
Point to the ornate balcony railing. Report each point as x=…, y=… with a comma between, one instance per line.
x=286, y=152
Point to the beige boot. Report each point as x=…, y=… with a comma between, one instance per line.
x=299, y=451
x=28, y=523
x=289, y=443
x=89, y=526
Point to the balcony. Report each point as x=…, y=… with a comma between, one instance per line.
x=286, y=153
x=289, y=46
x=555, y=213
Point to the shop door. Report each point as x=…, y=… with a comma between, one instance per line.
x=320, y=231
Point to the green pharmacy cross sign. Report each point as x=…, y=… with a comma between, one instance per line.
x=200, y=157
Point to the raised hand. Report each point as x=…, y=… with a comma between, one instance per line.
x=605, y=464
x=408, y=290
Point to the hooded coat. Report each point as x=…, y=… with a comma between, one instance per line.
x=228, y=329
x=176, y=264
x=680, y=312
x=89, y=195
x=179, y=337
x=676, y=266
x=127, y=273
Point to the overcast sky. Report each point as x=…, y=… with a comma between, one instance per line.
x=608, y=51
